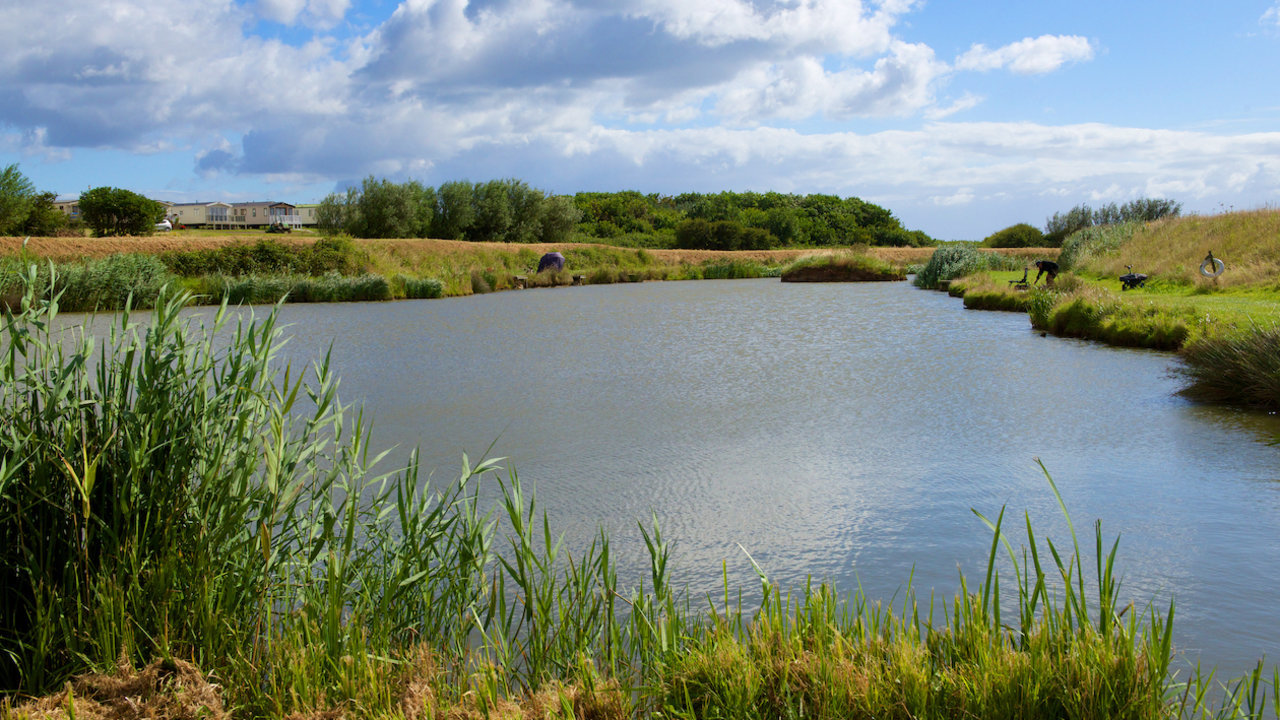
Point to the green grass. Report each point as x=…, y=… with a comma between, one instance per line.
x=171, y=493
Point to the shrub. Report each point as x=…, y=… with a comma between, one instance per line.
x=269, y=257
x=1015, y=236
x=698, y=234
x=959, y=259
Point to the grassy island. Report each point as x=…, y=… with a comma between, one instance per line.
x=852, y=266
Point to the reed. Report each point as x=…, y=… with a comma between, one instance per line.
x=733, y=270
x=106, y=283
x=1238, y=368
x=170, y=492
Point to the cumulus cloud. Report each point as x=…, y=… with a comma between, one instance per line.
x=901, y=83
x=1029, y=56
x=114, y=75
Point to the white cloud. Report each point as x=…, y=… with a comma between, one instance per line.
x=899, y=84
x=1271, y=17
x=1029, y=56
x=966, y=102
x=840, y=25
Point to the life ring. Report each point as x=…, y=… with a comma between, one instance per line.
x=1212, y=267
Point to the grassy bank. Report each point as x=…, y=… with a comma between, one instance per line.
x=257, y=268
x=1224, y=327
x=262, y=550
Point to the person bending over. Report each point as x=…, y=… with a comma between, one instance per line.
x=1046, y=267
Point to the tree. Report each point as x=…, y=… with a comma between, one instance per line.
x=17, y=194
x=454, y=213
x=559, y=218
x=1016, y=236
x=1061, y=225
x=493, y=214
x=333, y=212
x=527, y=206
x=114, y=211
x=423, y=200
x=385, y=210
x=44, y=217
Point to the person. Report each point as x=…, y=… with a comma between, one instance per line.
x=1046, y=267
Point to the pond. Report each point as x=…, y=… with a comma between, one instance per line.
x=843, y=432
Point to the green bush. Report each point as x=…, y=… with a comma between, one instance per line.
x=269, y=257
x=959, y=259
x=698, y=234
x=1016, y=236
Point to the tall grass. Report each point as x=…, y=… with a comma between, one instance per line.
x=100, y=284
x=1171, y=249
x=172, y=492
x=1238, y=368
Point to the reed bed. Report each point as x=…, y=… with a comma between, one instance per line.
x=1238, y=368
x=170, y=494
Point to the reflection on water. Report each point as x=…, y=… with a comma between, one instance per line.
x=837, y=431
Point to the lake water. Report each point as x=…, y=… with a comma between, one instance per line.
x=839, y=431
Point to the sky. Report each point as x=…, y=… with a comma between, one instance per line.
x=960, y=117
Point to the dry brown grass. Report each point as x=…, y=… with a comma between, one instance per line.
x=62, y=248
x=164, y=690
x=78, y=248
x=1247, y=242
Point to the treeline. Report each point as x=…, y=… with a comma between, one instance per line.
x=740, y=221
x=1063, y=224
x=495, y=211
x=513, y=212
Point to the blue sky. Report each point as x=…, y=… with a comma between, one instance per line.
x=960, y=117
